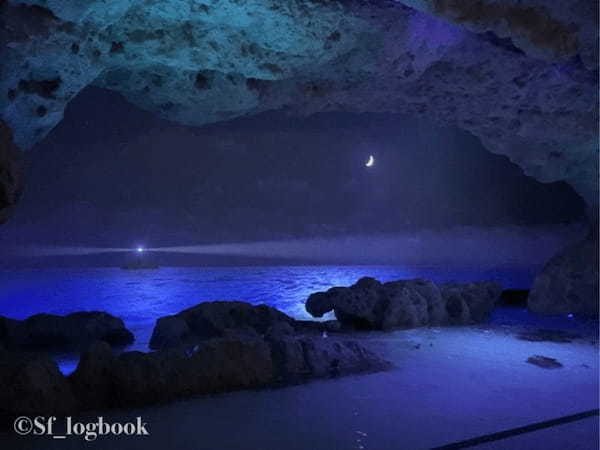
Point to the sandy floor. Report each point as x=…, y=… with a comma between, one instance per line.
x=448, y=385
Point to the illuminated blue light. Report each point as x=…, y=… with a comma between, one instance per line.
x=140, y=249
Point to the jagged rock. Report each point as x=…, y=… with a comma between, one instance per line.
x=568, y=283
x=279, y=329
x=369, y=304
x=92, y=381
x=73, y=331
x=170, y=331
x=544, y=362
x=299, y=358
x=219, y=365
x=550, y=30
x=332, y=357
x=138, y=379
x=521, y=77
x=215, y=319
x=33, y=385
x=471, y=301
x=11, y=172
x=227, y=353
x=215, y=365
x=413, y=303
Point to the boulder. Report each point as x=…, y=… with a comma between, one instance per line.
x=502, y=71
x=92, y=381
x=369, y=304
x=568, y=283
x=254, y=347
x=70, y=332
x=412, y=303
x=138, y=379
x=33, y=385
x=297, y=358
x=216, y=365
x=470, y=301
x=215, y=319
x=544, y=362
x=333, y=357
x=170, y=331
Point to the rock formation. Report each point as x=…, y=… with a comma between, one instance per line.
x=71, y=332
x=521, y=76
x=215, y=319
x=227, y=346
x=568, y=283
x=11, y=172
x=36, y=387
x=372, y=305
x=229, y=319
x=216, y=365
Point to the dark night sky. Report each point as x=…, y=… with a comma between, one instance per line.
x=111, y=174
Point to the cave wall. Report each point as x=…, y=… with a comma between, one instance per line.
x=519, y=75
x=11, y=173
x=568, y=283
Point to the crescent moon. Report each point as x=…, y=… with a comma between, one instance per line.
x=370, y=162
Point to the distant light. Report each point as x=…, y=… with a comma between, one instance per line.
x=570, y=316
x=370, y=162
x=140, y=249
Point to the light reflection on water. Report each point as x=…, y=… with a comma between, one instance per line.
x=140, y=297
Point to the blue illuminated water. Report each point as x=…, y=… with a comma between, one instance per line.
x=140, y=297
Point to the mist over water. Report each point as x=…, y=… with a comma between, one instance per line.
x=456, y=247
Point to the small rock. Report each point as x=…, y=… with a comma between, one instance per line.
x=544, y=362
x=371, y=305
x=73, y=331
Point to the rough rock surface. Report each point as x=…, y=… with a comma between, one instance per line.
x=568, y=283
x=216, y=365
x=11, y=172
x=228, y=347
x=73, y=331
x=369, y=304
x=215, y=319
x=32, y=385
x=520, y=75
x=471, y=301
x=229, y=319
